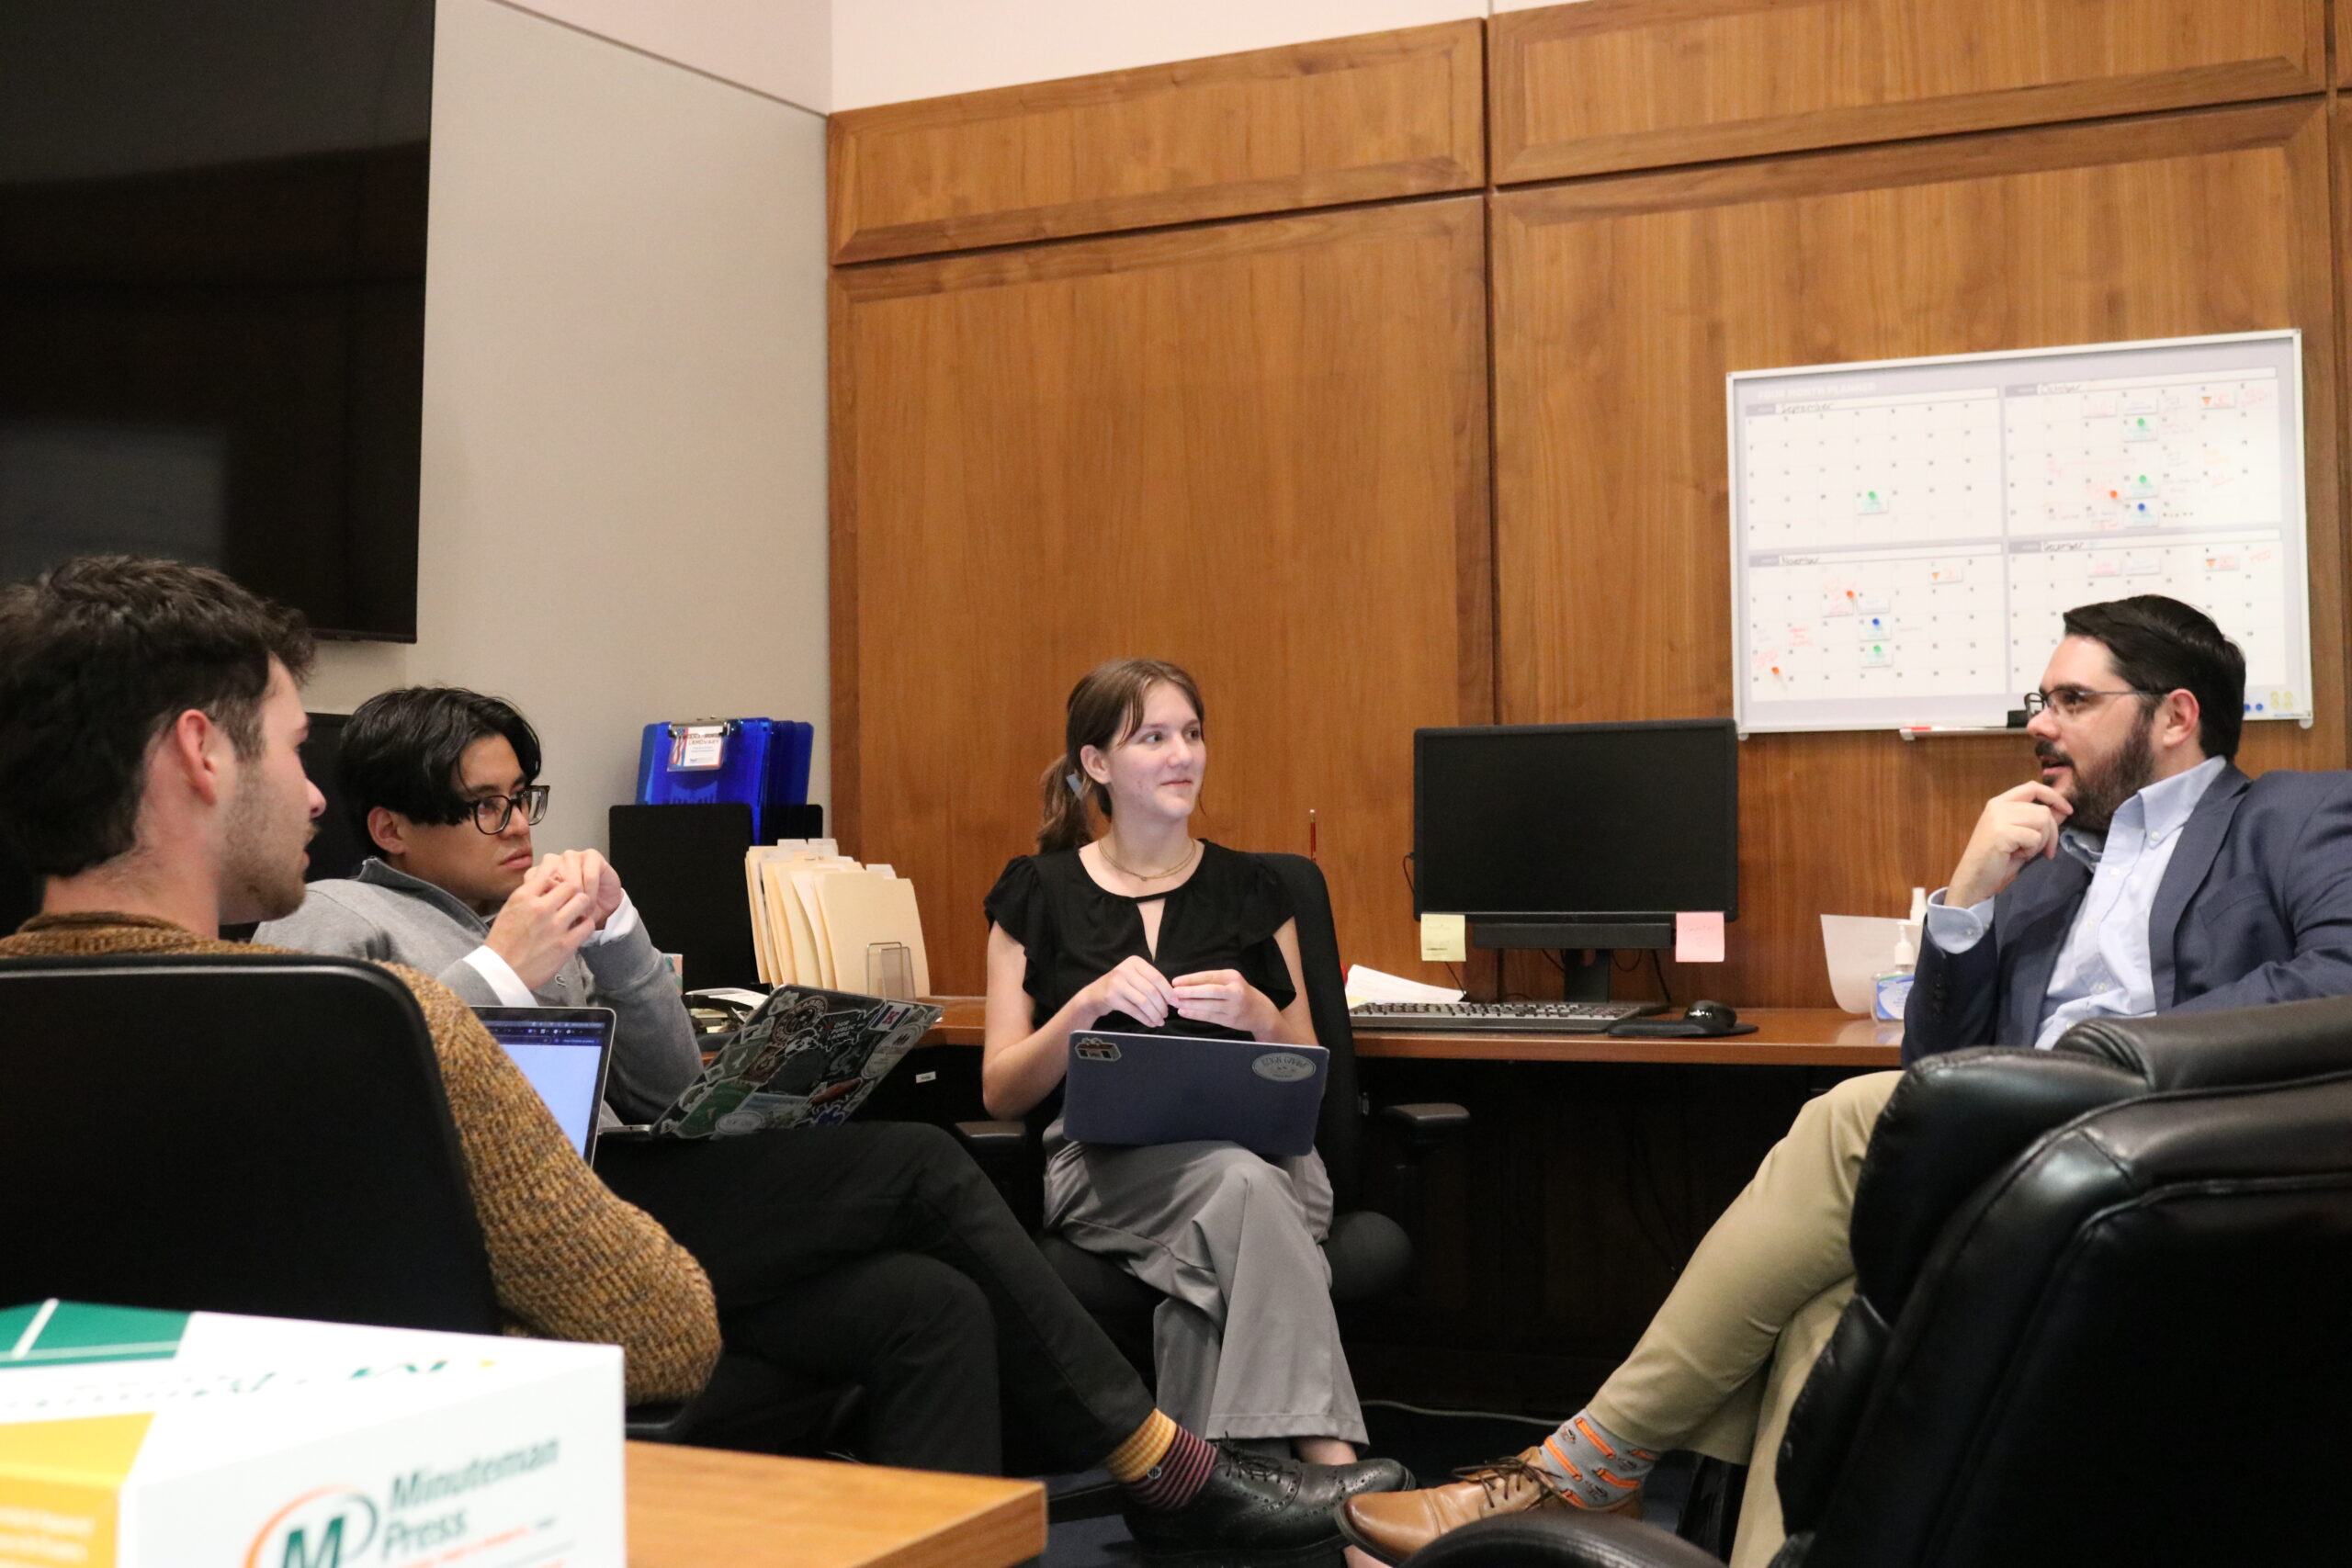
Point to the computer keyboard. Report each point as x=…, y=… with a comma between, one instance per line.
x=1498, y=1017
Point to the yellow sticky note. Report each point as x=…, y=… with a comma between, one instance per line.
x=1445, y=938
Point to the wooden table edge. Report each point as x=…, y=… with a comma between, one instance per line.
x=1790, y=1037
x=1004, y=1524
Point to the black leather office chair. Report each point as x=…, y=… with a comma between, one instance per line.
x=1370, y=1254
x=2098, y=1317
x=265, y=1135
x=179, y=1136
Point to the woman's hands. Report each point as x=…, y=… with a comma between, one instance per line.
x=1223, y=996
x=1136, y=989
x=1025, y=1060
x=1212, y=996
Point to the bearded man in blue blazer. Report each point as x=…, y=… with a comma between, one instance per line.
x=2142, y=872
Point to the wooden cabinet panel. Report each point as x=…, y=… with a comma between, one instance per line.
x=1362, y=119
x=1610, y=84
x=1257, y=449
x=1621, y=304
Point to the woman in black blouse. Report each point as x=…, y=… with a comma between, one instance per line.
x=1147, y=927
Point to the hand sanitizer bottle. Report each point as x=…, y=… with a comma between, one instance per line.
x=1891, y=987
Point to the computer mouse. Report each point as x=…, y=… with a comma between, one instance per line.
x=1713, y=1018
x=1699, y=1021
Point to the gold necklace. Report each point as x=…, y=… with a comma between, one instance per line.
x=1190, y=855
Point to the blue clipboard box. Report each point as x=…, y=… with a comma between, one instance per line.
x=758, y=763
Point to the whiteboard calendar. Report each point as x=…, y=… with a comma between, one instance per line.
x=1906, y=534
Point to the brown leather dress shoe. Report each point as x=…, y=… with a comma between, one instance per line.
x=1392, y=1526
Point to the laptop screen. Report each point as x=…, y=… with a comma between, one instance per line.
x=561, y=1051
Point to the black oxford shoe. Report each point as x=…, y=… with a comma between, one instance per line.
x=1255, y=1512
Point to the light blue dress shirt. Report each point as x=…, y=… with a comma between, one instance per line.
x=2104, y=970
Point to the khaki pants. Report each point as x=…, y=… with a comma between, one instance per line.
x=1725, y=1359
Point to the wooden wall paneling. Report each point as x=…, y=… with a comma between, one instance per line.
x=1366, y=118
x=1610, y=84
x=2339, y=260
x=1620, y=305
x=1258, y=449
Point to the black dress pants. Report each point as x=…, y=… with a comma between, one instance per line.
x=877, y=1253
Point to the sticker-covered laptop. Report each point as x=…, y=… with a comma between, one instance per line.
x=806, y=1059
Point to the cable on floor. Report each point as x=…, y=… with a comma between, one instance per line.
x=1466, y=1415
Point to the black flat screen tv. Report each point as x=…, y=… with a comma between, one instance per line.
x=212, y=219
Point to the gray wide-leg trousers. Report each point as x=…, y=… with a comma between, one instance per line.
x=1247, y=1345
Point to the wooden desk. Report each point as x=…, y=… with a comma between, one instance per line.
x=1788, y=1037
x=1785, y=1037
x=704, y=1508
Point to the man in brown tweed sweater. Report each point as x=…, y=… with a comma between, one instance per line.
x=148, y=718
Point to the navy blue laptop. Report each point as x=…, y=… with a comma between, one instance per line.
x=1135, y=1089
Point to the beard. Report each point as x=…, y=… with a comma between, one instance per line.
x=261, y=872
x=2101, y=788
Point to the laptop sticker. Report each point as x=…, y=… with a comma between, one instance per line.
x=1096, y=1050
x=1283, y=1066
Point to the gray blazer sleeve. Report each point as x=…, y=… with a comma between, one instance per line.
x=1953, y=998
x=654, y=1055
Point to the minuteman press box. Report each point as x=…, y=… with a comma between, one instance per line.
x=167, y=1439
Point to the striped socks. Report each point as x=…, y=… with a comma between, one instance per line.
x=1161, y=1465
x=1594, y=1466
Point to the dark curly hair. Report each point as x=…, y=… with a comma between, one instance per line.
x=97, y=658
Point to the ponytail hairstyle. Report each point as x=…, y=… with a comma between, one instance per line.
x=1104, y=709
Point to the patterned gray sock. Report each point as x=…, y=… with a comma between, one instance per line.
x=1592, y=1464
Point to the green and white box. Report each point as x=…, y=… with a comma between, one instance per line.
x=133, y=1438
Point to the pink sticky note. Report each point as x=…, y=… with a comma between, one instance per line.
x=1699, y=936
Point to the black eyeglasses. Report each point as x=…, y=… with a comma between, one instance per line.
x=492, y=812
x=2066, y=702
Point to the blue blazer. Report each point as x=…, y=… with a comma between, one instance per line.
x=2256, y=906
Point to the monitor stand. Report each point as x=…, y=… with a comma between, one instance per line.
x=1587, y=945
x=1584, y=973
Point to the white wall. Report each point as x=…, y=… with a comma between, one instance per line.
x=885, y=51
x=782, y=47
x=836, y=55
x=623, y=509
x=830, y=54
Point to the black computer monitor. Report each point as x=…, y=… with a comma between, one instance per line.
x=1577, y=836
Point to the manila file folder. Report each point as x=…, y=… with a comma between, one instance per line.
x=862, y=909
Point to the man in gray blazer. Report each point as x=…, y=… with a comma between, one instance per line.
x=2142, y=872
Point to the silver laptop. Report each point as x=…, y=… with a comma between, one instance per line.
x=566, y=1053
x=1179, y=1088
